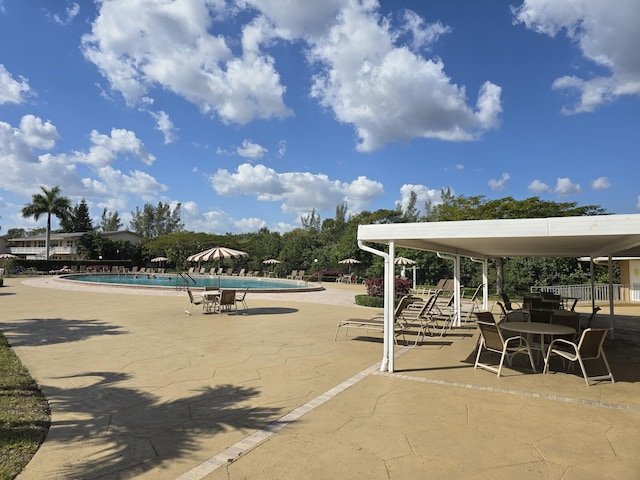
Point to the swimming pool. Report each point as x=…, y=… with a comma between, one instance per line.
x=169, y=280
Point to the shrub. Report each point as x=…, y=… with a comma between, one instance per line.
x=367, y=301
x=375, y=286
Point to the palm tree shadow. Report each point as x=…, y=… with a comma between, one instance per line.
x=135, y=432
x=32, y=332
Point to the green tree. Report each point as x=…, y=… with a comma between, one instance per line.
x=516, y=273
x=110, y=221
x=78, y=220
x=49, y=202
x=153, y=221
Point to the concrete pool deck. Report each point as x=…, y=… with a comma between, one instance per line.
x=139, y=389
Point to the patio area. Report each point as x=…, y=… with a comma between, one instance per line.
x=138, y=389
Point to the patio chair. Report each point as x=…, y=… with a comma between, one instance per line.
x=294, y=274
x=569, y=319
x=491, y=340
x=418, y=315
x=241, y=298
x=591, y=316
x=227, y=301
x=376, y=321
x=300, y=275
x=508, y=304
x=588, y=348
x=193, y=300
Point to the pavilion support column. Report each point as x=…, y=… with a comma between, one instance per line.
x=611, y=311
x=389, y=293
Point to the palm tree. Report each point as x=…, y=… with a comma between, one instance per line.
x=51, y=203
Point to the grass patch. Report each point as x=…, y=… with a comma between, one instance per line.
x=24, y=414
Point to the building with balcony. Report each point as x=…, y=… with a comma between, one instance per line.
x=62, y=246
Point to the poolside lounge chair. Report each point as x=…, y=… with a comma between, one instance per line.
x=300, y=275
x=294, y=274
x=588, y=348
x=491, y=340
x=376, y=321
x=419, y=315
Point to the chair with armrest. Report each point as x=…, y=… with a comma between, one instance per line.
x=589, y=347
x=491, y=340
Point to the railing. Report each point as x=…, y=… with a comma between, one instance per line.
x=621, y=293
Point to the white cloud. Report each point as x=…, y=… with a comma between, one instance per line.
x=165, y=125
x=99, y=182
x=423, y=193
x=11, y=90
x=497, y=185
x=38, y=134
x=299, y=192
x=601, y=183
x=142, y=44
x=389, y=93
x=251, y=150
x=606, y=34
x=282, y=148
x=106, y=149
x=565, y=187
x=69, y=14
x=423, y=35
x=216, y=221
x=538, y=187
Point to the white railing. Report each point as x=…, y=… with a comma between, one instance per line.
x=600, y=291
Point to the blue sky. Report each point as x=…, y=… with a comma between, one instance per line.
x=251, y=113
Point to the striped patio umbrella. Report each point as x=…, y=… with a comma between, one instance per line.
x=217, y=253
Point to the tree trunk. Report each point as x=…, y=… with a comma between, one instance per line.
x=48, y=238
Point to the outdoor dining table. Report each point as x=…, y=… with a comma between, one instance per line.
x=211, y=298
x=537, y=328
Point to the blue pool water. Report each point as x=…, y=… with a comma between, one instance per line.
x=193, y=281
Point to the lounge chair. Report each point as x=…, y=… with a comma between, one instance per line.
x=376, y=321
x=491, y=340
x=419, y=315
x=300, y=275
x=294, y=274
x=588, y=348
x=240, y=273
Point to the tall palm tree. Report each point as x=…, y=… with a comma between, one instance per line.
x=51, y=203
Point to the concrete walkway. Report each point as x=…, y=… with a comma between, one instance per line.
x=139, y=389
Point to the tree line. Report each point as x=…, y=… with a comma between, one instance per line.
x=319, y=244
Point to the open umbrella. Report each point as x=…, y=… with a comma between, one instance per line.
x=7, y=256
x=217, y=253
x=159, y=259
x=349, y=261
x=271, y=261
x=404, y=261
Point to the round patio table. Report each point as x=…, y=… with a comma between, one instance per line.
x=537, y=328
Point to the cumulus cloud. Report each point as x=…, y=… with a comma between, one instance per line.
x=497, y=185
x=601, y=183
x=423, y=193
x=251, y=150
x=606, y=35
x=538, y=187
x=216, y=220
x=565, y=187
x=12, y=90
x=391, y=93
x=139, y=45
x=299, y=192
x=23, y=170
x=38, y=134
